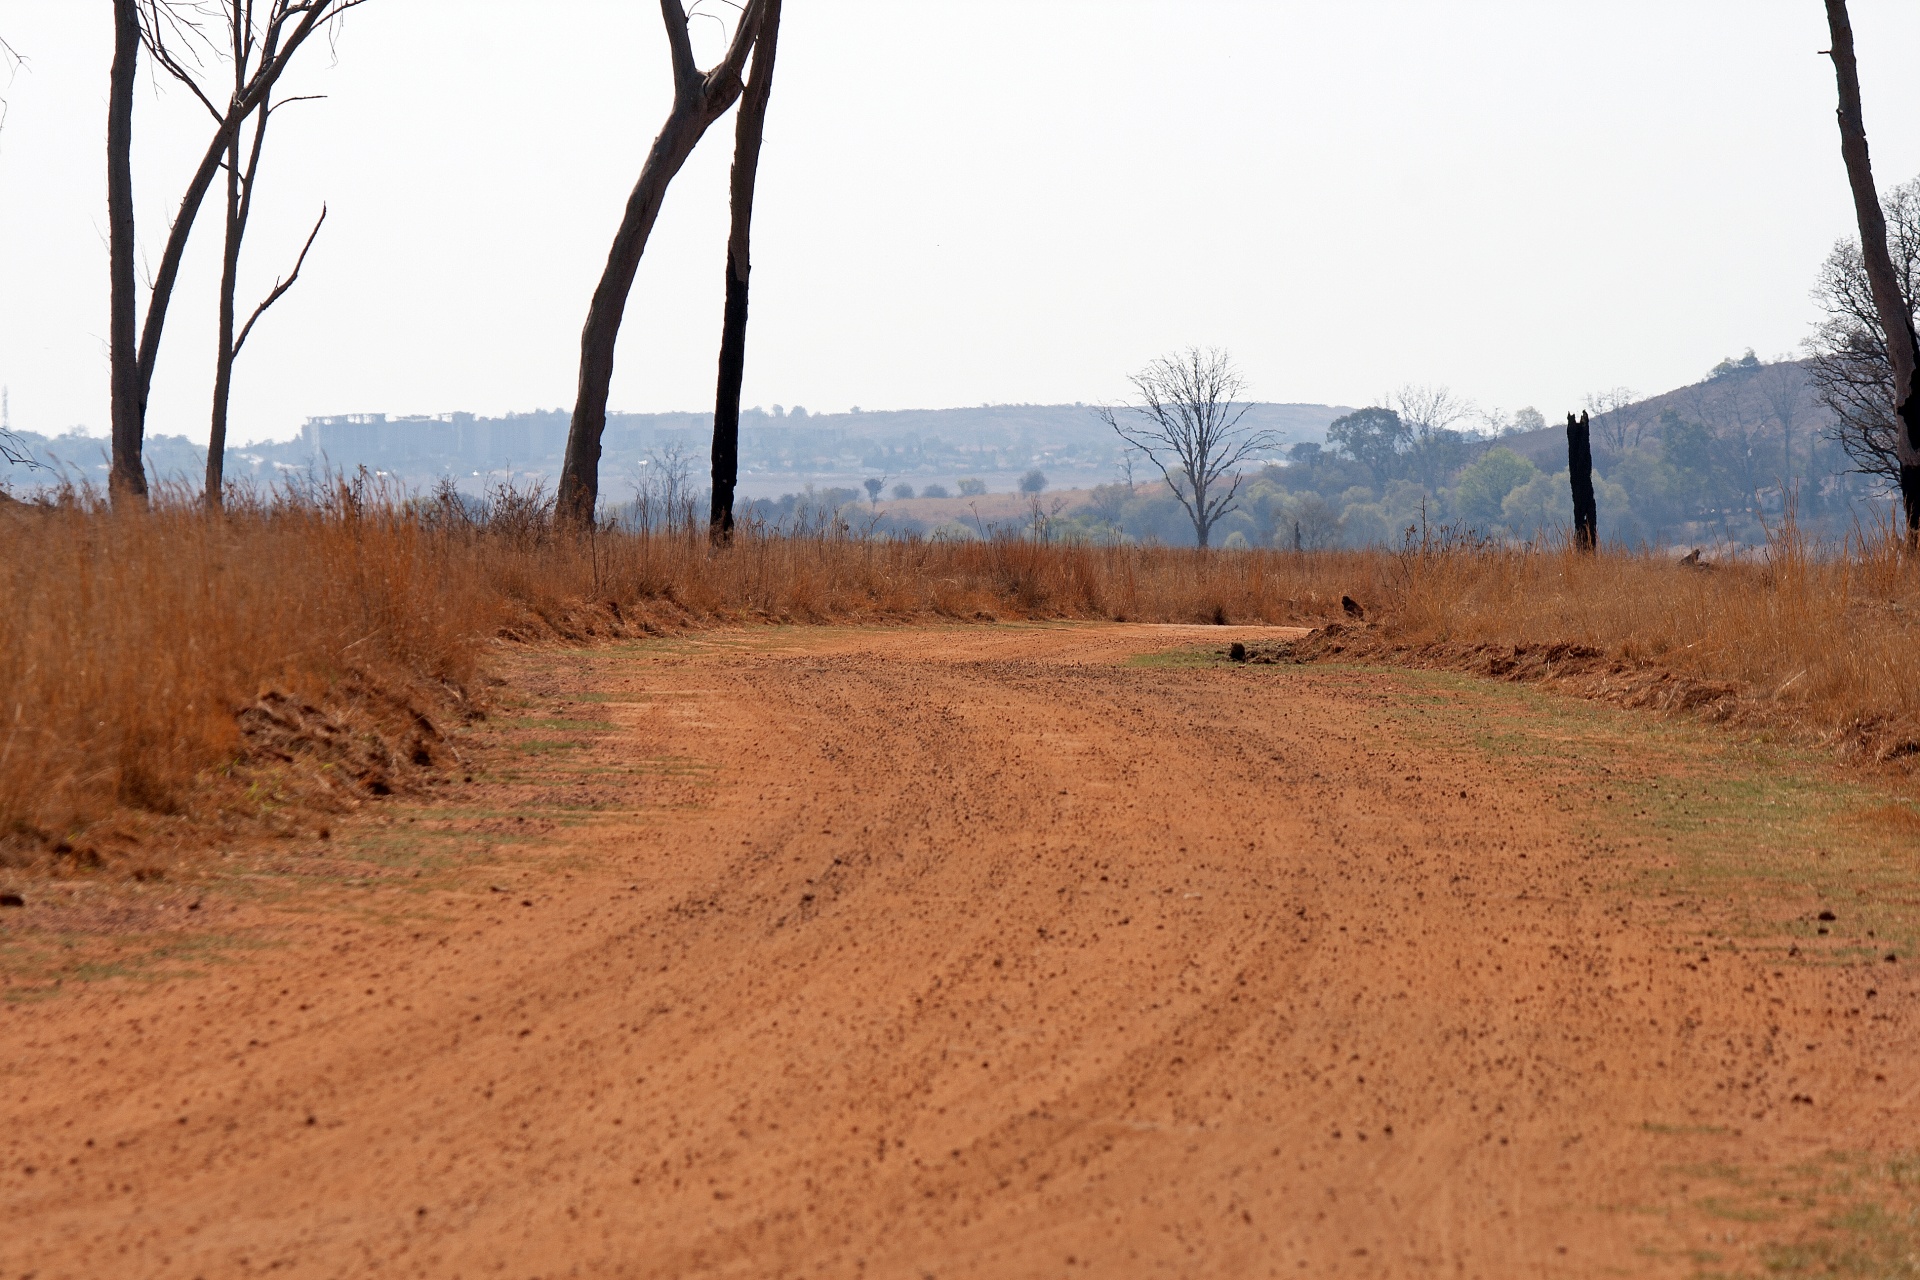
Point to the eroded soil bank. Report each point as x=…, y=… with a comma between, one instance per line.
x=1004, y=952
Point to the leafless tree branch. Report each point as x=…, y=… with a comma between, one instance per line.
x=280, y=286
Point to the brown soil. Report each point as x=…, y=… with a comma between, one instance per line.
x=958, y=952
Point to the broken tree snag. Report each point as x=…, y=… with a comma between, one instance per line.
x=1586, y=513
x=699, y=98
x=1896, y=321
x=749, y=128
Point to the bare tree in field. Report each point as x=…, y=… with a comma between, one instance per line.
x=748, y=131
x=167, y=30
x=1850, y=370
x=1617, y=429
x=699, y=98
x=1783, y=388
x=1428, y=412
x=249, y=45
x=1894, y=311
x=1187, y=420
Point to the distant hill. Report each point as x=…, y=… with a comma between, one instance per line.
x=1767, y=412
x=780, y=452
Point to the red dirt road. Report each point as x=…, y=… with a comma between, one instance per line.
x=959, y=953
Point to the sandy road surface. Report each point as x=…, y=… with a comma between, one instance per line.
x=961, y=953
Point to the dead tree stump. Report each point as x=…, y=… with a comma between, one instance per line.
x=1586, y=513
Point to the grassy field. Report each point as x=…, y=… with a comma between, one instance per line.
x=173, y=670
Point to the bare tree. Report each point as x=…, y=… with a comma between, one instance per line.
x=1618, y=429
x=1783, y=388
x=1894, y=311
x=749, y=128
x=698, y=100
x=1428, y=413
x=1187, y=421
x=169, y=30
x=1428, y=409
x=1850, y=370
x=248, y=46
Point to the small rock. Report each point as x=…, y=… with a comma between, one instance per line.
x=1827, y=915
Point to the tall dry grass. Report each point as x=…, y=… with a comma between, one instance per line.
x=1827, y=635
x=129, y=644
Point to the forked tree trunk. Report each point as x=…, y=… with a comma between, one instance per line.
x=127, y=480
x=131, y=369
x=748, y=131
x=1903, y=348
x=1586, y=512
x=698, y=100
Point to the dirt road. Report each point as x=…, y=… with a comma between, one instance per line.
x=988, y=952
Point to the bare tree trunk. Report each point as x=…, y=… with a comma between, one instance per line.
x=239, y=210
x=1586, y=512
x=698, y=100
x=127, y=479
x=223, y=355
x=748, y=131
x=1903, y=348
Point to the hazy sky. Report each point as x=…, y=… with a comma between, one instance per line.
x=965, y=201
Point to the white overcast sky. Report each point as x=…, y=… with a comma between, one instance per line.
x=972, y=201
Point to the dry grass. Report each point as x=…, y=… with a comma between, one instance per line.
x=163, y=664
x=1819, y=640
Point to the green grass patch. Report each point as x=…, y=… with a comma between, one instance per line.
x=1182, y=659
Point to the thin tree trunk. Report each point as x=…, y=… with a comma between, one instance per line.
x=748, y=131
x=223, y=355
x=698, y=100
x=1903, y=348
x=579, y=490
x=239, y=209
x=1586, y=512
x=127, y=480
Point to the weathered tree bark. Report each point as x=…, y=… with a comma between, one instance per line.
x=127, y=480
x=748, y=131
x=1586, y=512
x=1903, y=347
x=698, y=100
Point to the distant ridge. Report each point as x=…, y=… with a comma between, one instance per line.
x=780, y=451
